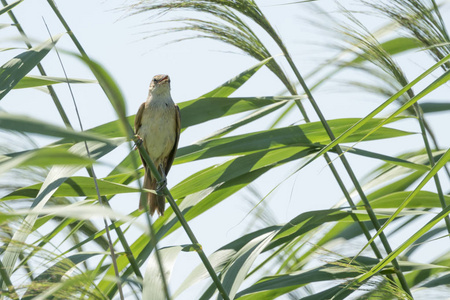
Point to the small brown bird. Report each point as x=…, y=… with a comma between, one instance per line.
x=157, y=123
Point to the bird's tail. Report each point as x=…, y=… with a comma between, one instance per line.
x=154, y=202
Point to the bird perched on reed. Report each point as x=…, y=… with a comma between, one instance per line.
x=157, y=123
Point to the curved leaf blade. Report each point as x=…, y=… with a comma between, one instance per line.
x=152, y=287
x=75, y=187
x=311, y=135
x=33, y=81
x=30, y=125
x=15, y=69
x=233, y=84
x=9, y=7
x=200, y=110
x=41, y=157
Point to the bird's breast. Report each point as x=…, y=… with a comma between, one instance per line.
x=158, y=130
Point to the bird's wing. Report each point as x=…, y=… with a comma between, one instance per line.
x=172, y=154
x=138, y=118
x=137, y=125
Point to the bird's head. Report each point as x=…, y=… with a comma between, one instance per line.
x=160, y=85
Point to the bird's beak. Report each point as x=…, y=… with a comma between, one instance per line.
x=165, y=78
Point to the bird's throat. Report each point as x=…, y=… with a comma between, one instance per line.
x=160, y=99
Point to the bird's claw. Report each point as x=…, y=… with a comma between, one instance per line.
x=163, y=183
x=161, y=186
x=138, y=142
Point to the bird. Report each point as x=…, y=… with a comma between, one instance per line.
x=157, y=124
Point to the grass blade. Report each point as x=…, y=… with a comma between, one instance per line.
x=233, y=84
x=14, y=70
x=31, y=125
x=441, y=163
x=8, y=7
x=33, y=81
x=360, y=123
